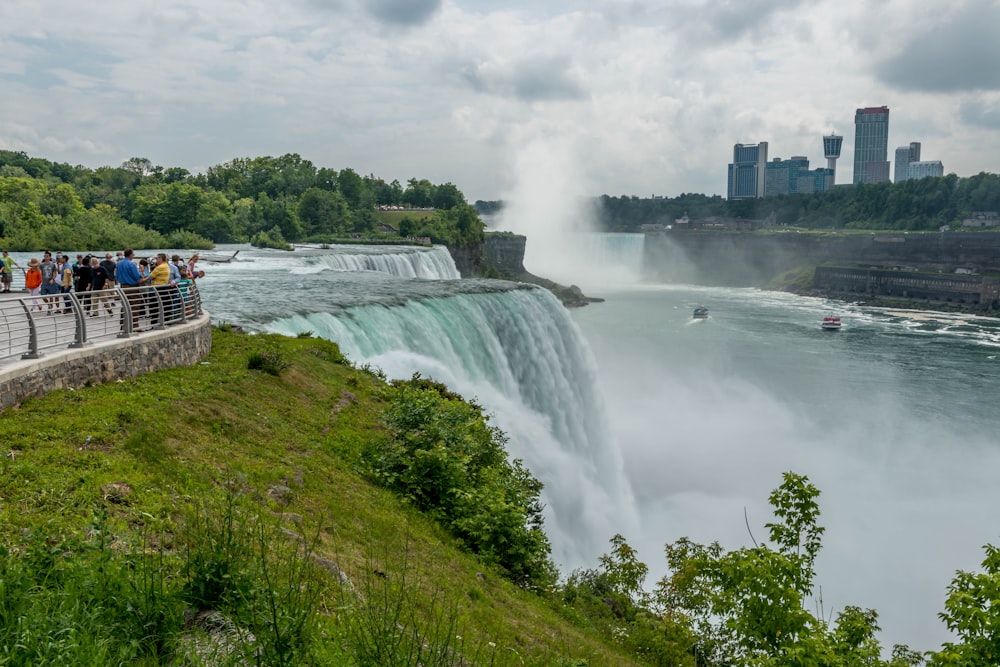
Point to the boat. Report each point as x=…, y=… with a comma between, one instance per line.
x=700, y=313
x=830, y=323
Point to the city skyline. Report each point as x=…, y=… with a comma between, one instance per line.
x=781, y=176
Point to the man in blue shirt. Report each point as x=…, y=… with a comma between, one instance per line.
x=127, y=275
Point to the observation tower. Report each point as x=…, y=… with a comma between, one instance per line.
x=831, y=150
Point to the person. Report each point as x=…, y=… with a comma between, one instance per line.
x=99, y=283
x=159, y=279
x=33, y=281
x=175, y=279
x=8, y=265
x=65, y=282
x=50, y=286
x=175, y=269
x=128, y=276
x=84, y=276
x=192, y=271
x=109, y=268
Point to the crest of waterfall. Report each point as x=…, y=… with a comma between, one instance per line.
x=433, y=263
x=520, y=356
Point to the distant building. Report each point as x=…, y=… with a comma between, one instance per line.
x=925, y=169
x=747, y=172
x=905, y=156
x=982, y=219
x=783, y=175
x=793, y=176
x=871, y=145
x=831, y=151
x=816, y=180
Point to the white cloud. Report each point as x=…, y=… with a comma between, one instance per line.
x=649, y=96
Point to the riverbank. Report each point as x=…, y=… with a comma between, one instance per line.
x=804, y=280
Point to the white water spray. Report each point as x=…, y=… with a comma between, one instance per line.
x=550, y=204
x=519, y=355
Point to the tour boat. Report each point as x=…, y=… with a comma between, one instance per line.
x=831, y=323
x=700, y=313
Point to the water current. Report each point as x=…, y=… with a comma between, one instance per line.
x=643, y=421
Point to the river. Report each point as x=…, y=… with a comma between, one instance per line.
x=643, y=421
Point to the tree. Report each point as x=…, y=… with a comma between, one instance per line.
x=747, y=606
x=972, y=611
x=140, y=166
x=215, y=219
x=352, y=187
x=323, y=212
x=447, y=196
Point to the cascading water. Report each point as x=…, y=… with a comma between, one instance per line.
x=405, y=262
x=519, y=354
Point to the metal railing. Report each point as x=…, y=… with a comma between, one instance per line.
x=30, y=325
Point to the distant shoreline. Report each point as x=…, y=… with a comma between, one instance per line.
x=874, y=301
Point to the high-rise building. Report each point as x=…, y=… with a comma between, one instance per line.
x=747, y=172
x=871, y=145
x=783, y=175
x=793, y=176
x=905, y=155
x=924, y=169
x=831, y=150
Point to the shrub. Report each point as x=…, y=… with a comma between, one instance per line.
x=269, y=361
x=447, y=460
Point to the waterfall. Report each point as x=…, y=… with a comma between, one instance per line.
x=401, y=261
x=519, y=355
x=615, y=249
x=588, y=259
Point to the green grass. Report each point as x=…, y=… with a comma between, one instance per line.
x=393, y=218
x=155, y=519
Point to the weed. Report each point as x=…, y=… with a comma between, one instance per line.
x=269, y=361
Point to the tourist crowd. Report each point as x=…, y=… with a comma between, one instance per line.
x=91, y=277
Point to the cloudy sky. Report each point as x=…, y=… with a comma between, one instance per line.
x=619, y=97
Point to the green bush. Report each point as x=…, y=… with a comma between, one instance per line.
x=448, y=460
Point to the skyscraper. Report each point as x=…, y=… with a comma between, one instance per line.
x=871, y=145
x=831, y=151
x=747, y=172
x=918, y=170
x=905, y=156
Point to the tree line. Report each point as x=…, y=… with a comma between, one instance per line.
x=926, y=204
x=274, y=200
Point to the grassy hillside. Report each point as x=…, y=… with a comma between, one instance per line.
x=393, y=218
x=161, y=520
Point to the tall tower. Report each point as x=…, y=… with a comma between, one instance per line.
x=831, y=150
x=905, y=156
x=747, y=171
x=871, y=145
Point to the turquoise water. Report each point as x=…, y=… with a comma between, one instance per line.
x=643, y=421
x=894, y=418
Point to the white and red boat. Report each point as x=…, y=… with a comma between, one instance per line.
x=830, y=323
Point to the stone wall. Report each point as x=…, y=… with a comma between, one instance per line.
x=733, y=258
x=941, y=288
x=179, y=345
x=504, y=253
x=468, y=259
